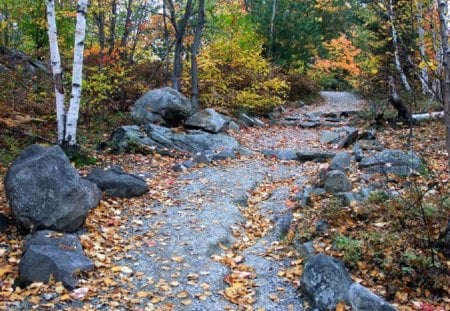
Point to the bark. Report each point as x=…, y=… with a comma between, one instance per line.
x=74, y=106
x=395, y=43
x=403, y=112
x=423, y=75
x=166, y=39
x=112, y=30
x=272, y=22
x=180, y=31
x=99, y=19
x=445, y=84
x=127, y=30
x=194, y=51
x=57, y=70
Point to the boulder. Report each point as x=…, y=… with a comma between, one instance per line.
x=349, y=138
x=115, y=182
x=197, y=141
x=349, y=198
x=304, y=196
x=283, y=224
x=369, y=134
x=224, y=155
x=233, y=126
x=358, y=153
x=129, y=139
x=312, y=155
x=370, y=144
x=337, y=181
x=164, y=105
x=329, y=137
x=362, y=299
x=280, y=154
x=49, y=254
x=250, y=122
x=321, y=226
x=305, y=249
x=308, y=124
x=193, y=141
x=46, y=192
x=340, y=162
x=325, y=281
x=395, y=162
x=208, y=120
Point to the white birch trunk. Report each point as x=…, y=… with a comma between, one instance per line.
x=445, y=78
x=398, y=64
x=272, y=22
x=423, y=75
x=418, y=117
x=57, y=70
x=74, y=107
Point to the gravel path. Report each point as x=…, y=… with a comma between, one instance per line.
x=172, y=246
x=340, y=101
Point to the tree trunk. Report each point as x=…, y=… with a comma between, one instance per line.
x=180, y=31
x=112, y=30
x=272, y=22
x=403, y=112
x=423, y=75
x=126, y=30
x=74, y=107
x=398, y=64
x=166, y=41
x=445, y=84
x=194, y=51
x=57, y=70
x=418, y=117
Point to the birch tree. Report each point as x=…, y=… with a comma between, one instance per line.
x=395, y=43
x=67, y=117
x=445, y=61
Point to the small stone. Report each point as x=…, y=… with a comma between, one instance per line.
x=336, y=181
x=321, y=226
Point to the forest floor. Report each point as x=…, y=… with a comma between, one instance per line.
x=209, y=238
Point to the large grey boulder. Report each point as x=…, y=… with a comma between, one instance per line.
x=46, y=192
x=208, y=120
x=395, y=162
x=329, y=137
x=164, y=105
x=49, y=254
x=115, y=182
x=193, y=141
x=336, y=181
x=325, y=281
x=362, y=299
x=129, y=139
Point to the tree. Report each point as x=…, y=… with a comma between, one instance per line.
x=67, y=118
x=194, y=51
x=445, y=86
x=179, y=26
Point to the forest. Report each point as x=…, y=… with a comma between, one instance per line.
x=275, y=77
